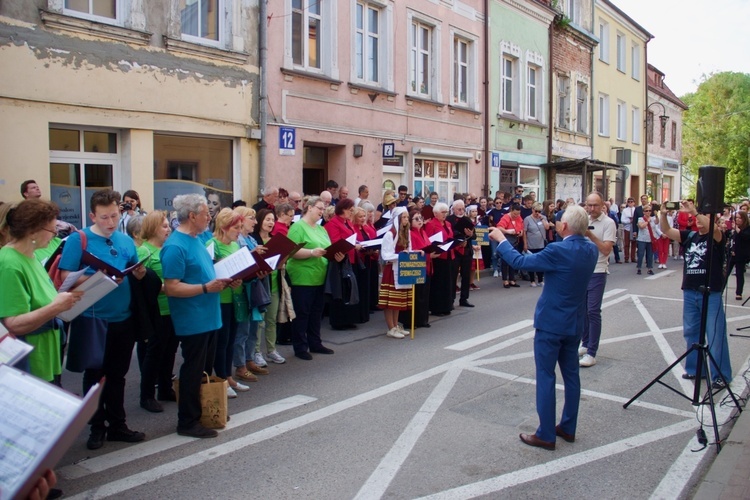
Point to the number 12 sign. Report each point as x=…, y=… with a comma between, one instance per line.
x=287, y=137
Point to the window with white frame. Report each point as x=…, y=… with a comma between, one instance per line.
x=367, y=42
x=201, y=21
x=307, y=28
x=622, y=121
x=421, y=74
x=461, y=58
x=582, y=108
x=563, y=101
x=603, y=41
x=674, y=136
x=636, y=118
x=635, y=61
x=509, y=80
x=534, y=92
x=603, y=115
x=573, y=11
x=621, y=64
x=650, y=127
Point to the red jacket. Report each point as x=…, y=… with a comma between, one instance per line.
x=419, y=240
x=338, y=229
x=280, y=228
x=434, y=226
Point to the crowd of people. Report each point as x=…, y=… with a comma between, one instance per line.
x=231, y=328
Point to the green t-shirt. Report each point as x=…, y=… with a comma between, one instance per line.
x=154, y=263
x=310, y=271
x=220, y=251
x=24, y=287
x=42, y=254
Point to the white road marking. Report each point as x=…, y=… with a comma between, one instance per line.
x=661, y=275
x=613, y=292
x=489, y=336
x=553, y=467
x=151, y=447
x=378, y=482
x=612, y=302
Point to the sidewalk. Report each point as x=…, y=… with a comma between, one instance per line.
x=729, y=475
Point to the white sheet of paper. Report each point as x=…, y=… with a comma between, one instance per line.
x=446, y=246
x=384, y=229
x=211, y=249
x=273, y=261
x=12, y=349
x=371, y=243
x=387, y=215
x=234, y=263
x=296, y=218
x=436, y=238
x=352, y=239
x=71, y=279
x=94, y=288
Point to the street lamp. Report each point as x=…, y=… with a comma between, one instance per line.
x=663, y=120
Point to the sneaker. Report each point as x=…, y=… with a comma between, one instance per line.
x=587, y=360
x=240, y=387
x=718, y=385
x=638, y=271
x=496, y=274
x=230, y=393
x=541, y=283
x=582, y=351
x=275, y=357
x=394, y=333
x=96, y=438
x=650, y=271
x=401, y=329
x=533, y=284
x=124, y=434
x=472, y=286
x=259, y=359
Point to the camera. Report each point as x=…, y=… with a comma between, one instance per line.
x=126, y=206
x=672, y=205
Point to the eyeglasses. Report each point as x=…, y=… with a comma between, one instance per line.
x=49, y=231
x=112, y=250
x=295, y=201
x=646, y=211
x=319, y=207
x=418, y=217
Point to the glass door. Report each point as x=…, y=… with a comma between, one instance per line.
x=72, y=187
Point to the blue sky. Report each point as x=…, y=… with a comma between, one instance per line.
x=694, y=37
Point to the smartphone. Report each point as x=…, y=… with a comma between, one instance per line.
x=672, y=205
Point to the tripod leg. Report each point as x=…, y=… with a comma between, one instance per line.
x=714, y=364
x=659, y=377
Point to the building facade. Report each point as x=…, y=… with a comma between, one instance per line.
x=663, y=139
x=157, y=96
x=378, y=93
x=519, y=117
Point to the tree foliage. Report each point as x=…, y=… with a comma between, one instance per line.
x=716, y=129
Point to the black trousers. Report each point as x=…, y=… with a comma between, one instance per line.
x=308, y=306
x=118, y=350
x=159, y=360
x=421, y=307
x=462, y=266
x=194, y=353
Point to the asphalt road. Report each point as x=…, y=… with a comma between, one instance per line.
x=438, y=416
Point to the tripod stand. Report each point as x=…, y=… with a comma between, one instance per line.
x=742, y=328
x=705, y=358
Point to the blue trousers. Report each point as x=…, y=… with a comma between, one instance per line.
x=716, y=332
x=644, y=248
x=550, y=349
x=592, y=326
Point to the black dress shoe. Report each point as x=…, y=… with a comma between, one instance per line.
x=570, y=438
x=125, y=435
x=168, y=395
x=532, y=440
x=96, y=438
x=304, y=355
x=151, y=405
x=198, y=431
x=322, y=350
x=515, y=285
x=283, y=341
x=465, y=303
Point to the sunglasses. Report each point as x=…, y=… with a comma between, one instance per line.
x=112, y=250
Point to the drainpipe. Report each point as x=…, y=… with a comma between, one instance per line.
x=550, y=116
x=645, y=113
x=487, y=158
x=263, y=91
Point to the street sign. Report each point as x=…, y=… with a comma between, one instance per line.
x=389, y=150
x=287, y=139
x=412, y=268
x=495, y=160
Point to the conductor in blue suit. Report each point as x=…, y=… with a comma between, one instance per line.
x=558, y=319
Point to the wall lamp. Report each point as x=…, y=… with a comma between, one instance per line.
x=663, y=118
x=358, y=150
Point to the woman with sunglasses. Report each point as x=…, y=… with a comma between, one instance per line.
x=643, y=241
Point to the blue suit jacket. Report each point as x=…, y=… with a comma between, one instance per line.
x=567, y=266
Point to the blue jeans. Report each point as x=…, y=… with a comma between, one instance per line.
x=716, y=332
x=592, y=325
x=244, y=342
x=496, y=258
x=644, y=248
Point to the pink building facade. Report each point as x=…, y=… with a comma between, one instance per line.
x=378, y=93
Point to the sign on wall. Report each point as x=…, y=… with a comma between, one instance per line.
x=287, y=139
x=389, y=150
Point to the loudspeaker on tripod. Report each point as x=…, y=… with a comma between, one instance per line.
x=710, y=189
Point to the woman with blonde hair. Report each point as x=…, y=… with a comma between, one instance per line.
x=395, y=297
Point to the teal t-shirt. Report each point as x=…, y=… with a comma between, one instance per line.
x=310, y=271
x=24, y=287
x=183, y=257
x=154, y=263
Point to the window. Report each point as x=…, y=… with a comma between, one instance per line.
x=444, y=177
x=603, y=41
x=460, y=71
x=367, y=44
x=200, y=20
x=662, y=134
x=621, y=52
x=97, y=10
x=636, y=118
x=573, y=11
x=582, y=107
x=533, y=93
x=622, y=121
x=650, y=127
x=674, y=136
x=307, y=23
x=420, y=62
x=604, y=115
x=635, y=61
x=508, y=80
x=563, y=101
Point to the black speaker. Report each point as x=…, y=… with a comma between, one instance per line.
x=710, y=189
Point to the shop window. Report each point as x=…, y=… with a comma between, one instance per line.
x=444, y=177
